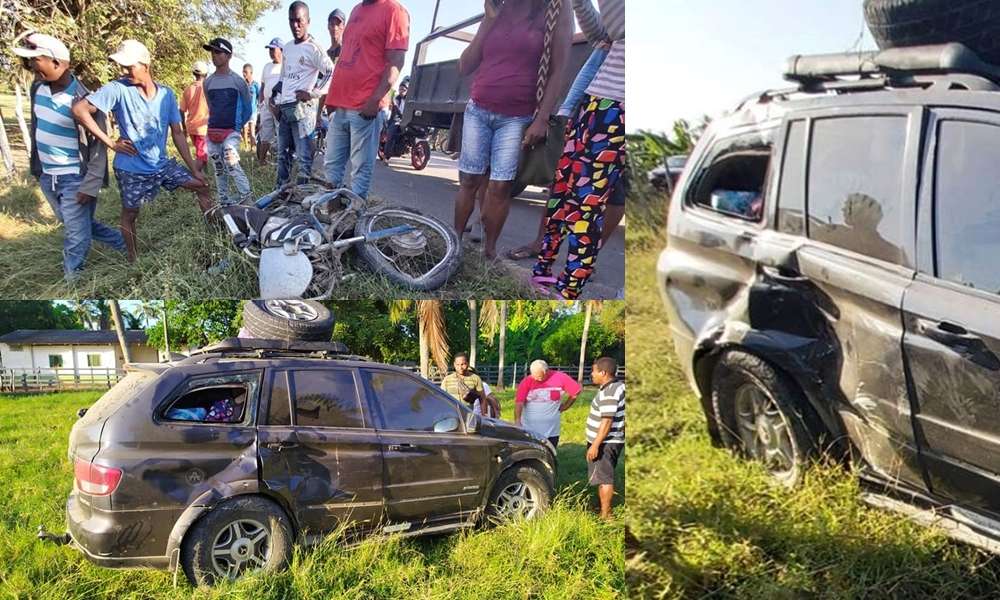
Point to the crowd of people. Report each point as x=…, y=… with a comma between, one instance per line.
x=541, y=398
x=516, y=59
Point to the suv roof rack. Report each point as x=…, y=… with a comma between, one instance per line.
x=950, y=65
x=257, y=348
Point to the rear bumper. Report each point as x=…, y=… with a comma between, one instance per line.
x=116, y=539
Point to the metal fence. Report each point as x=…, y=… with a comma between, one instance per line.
x=55, y=379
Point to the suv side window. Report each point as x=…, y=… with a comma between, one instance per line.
x=791, y=190
x=326, y=398
x=856, y=184
x=405, y=403
x=966, y=212
x=734, y=180
x=215, y=399
x=278, y=411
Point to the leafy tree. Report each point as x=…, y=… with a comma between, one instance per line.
x=36, y=314
x=366, y=328
x=193, y=324
x=562, y=344
x=173, y=30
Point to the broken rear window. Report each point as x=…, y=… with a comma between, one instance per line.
x=219, y=399
x=734, y=180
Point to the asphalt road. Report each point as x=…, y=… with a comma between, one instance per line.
x=433, y=190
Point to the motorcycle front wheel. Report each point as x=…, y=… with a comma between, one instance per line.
x=422, y=259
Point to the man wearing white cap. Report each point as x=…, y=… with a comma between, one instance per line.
x=194, y=113
x=144, y=110
x=70, y=165
x=270, y=75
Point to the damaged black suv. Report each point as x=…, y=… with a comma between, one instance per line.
x=832, y=276
x=217, y=463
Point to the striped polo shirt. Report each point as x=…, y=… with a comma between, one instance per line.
x=608, y=402
x=609, y=82
x=55, y=131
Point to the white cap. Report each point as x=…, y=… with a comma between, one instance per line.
x=201, y=67
x=131, y=52
x=40, y=44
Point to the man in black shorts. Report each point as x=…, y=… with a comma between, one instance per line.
x=605, y=431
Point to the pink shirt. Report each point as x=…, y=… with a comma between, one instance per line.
x=549, y=390
x=507, y=78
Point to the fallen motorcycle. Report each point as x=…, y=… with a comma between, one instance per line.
x=299, y=234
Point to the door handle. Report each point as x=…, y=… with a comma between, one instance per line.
x=949, y=334
x=279, y=446
x=785, y=274
x=402, y=447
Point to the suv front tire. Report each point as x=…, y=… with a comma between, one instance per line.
x=521, y=492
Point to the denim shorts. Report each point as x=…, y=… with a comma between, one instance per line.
x=491, y=141
x=139, y=188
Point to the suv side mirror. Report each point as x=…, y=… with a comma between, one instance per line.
x=446, y=425
x=472, y=423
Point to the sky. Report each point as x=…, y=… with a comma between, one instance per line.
x=684, y=59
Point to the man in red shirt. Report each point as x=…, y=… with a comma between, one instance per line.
x=374, y=48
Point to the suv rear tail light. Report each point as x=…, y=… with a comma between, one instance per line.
x=94, y=479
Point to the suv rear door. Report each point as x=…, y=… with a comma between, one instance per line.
x=431, y=475
x=950, y=313
x=319, y=449
x=858, y=196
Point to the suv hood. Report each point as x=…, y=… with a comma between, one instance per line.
x=508, y=431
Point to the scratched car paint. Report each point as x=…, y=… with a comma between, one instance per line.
x=831, y=287
x=361, y=478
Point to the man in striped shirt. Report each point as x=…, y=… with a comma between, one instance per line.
x=605, y=431
x=70, y=165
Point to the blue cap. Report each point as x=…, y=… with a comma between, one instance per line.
x=275, y=43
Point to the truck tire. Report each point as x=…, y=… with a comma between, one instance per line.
x=240, y=535
x=762, y=415
x=896, y=23
x=304, y=320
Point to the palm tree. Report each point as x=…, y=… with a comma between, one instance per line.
x=431, y=331
x=591, y=306
x=503, y=342
x=473, y=331
x=116, y=314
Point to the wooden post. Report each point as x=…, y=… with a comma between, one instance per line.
x=583, y=341
x=5, y=153
x=503, y=342
x=19, y=113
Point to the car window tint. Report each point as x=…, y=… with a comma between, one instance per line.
x=216, y=399
x=966, y=211
x=856, y=185
x=278, y=411
x=791, y=196
x=734, y=179
x=407, y=404
x=326, y=398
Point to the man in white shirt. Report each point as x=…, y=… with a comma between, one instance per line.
x=305, y=74
x=270, y=75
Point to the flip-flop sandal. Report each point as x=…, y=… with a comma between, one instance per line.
x=522, y=253
x=543, y=284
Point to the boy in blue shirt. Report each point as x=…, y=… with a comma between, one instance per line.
x=250, y=129
x=71, y=165
x=145, y=111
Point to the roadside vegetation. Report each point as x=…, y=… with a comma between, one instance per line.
x=568, y=553
x=179, y=255
x=701, y=523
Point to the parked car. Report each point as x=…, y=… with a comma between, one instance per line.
x=218, y=463
x=831, y=281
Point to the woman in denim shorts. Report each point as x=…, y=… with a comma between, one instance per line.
x=503, y=114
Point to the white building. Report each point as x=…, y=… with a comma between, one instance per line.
x=70, y=353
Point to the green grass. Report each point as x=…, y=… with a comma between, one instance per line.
x=567, y=553
x=177, y=249
x=702, y=523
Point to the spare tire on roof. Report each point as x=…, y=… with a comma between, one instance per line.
x=975, y=23
x=299, y=320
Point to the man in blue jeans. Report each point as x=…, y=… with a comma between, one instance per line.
x=71, y=165
x=375, y=43
x=305, y=71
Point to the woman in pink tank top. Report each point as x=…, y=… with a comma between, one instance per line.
x=503, y=114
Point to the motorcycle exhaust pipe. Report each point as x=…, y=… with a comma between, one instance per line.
x=239, y=238
x=58, y=540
